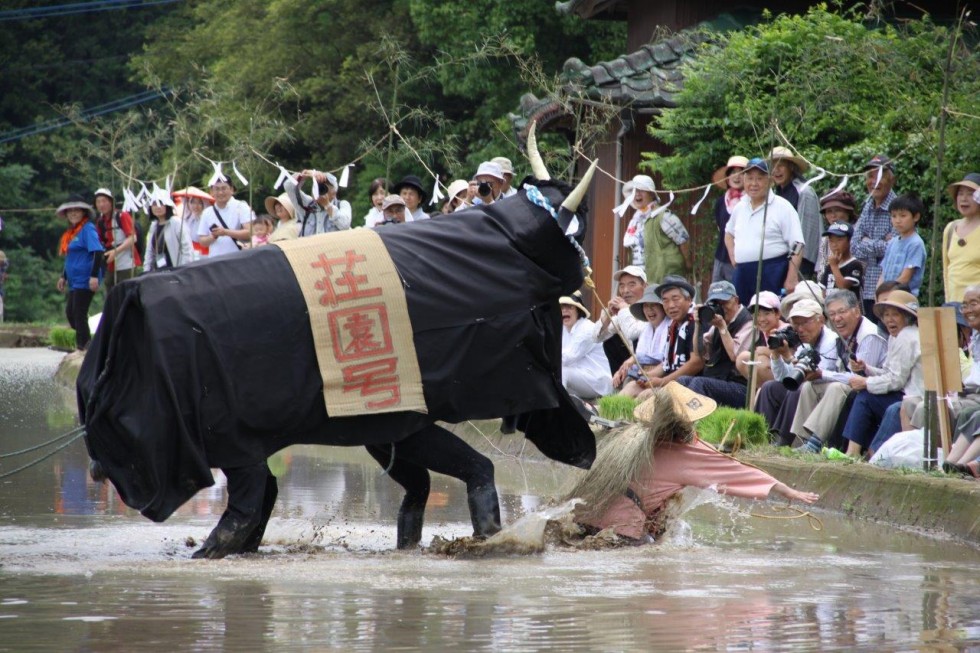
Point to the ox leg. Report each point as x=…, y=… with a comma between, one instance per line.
x=268, y=502
x=415, y=480
x=437, y=449
x=247, y=493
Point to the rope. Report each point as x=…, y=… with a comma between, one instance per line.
x=391, y=463
x=812, y=520
x=70, y=433
x=42, y=458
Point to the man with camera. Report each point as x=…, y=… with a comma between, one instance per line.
x=727, y=328
x=322, y=214
x=490, y=179
x=802, y=352
x=821, y=403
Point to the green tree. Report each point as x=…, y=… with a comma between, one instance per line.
x=839, y=90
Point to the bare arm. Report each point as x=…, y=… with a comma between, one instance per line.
x=794, y=495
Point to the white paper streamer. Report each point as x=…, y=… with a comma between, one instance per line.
x=823, y=173
x=839, y=188
x=345, y=175
x=218, y=175
x=241, y=177
x=316, y=186
x=621, y=209
x=283, y=176
x=881, y=170
x=661, y=209
x=129, y=201
x=143, y=198
x=701, y=201
x=436, y=193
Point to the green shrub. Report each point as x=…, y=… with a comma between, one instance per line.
x=617, y=407
x=62, y=338
x=749, y=429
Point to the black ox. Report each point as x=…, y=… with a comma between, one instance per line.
x=213, y=365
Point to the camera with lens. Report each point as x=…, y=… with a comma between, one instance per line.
x=807, y=360
x=708, y=311
x=484, y=189
x=785, y=336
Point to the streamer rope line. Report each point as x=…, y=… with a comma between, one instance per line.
x=61, y=437
x=42, y=458
x=812, y=520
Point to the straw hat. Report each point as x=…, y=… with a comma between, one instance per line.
x=971, y=180
x=900, y=299
x=780, y=152
x=721, y=174
x=195, y=192
x=693, y=405
x=75, y=202
x=457, y=187
x=271, y=201
x=650, y=296
x=575, y=300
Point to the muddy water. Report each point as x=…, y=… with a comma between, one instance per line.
x=80, y=571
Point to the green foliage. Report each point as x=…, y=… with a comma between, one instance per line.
x=750, y=428
x=63, y=338
x=838, y=89
x=617, y=407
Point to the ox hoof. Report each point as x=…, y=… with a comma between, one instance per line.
x=228, y=538
x=484, y=511
x=409, y=528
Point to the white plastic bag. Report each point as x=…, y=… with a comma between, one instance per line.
x=904, y=449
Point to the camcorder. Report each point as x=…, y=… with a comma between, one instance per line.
x=784, y=336
x=708, y=311
x=807, y=360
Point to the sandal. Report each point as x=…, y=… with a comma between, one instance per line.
x=969, y=470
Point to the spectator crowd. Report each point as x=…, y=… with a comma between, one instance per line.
x=810, y=318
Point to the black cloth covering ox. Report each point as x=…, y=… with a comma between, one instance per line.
x=213, y=364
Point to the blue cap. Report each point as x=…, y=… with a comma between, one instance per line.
x=845, y=229
x=758, y=163
x=721, y=290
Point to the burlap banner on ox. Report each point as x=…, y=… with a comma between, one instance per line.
x=359, y=317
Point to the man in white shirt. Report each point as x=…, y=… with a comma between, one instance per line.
x=226, y=222
x=631, y=280
x=778, y=248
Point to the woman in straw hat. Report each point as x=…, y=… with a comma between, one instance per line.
x=285, y=213
x=901, y=374
x=961, y=239
x=191, y=201
x=84, y=264
x=641, y=467
x=584, y=366
x=729, y=179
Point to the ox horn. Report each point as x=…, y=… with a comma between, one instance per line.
x=534, y=157
x=575, y=197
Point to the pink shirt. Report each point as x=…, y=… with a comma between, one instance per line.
x=675, y=466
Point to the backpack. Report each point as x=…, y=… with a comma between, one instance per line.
x=138, y=231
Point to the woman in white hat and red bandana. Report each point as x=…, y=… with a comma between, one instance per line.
x=192, y=202
x=729, y=179
x=84, y=264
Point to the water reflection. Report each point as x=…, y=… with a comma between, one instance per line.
x=81, y=572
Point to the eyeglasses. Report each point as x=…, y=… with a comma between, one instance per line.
x=840, y=313
x=975, y=303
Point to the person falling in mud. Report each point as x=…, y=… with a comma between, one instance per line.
x=639, y=469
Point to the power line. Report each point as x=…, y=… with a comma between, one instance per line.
x=75, y=8
x=108, y=107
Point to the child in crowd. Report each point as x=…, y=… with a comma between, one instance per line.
x=836, y=207
x=905, y=255
x=843, y=270
x=261, y=230
x=282, y=207
x=649, y=348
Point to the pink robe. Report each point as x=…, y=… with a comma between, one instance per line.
x=675, y=466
